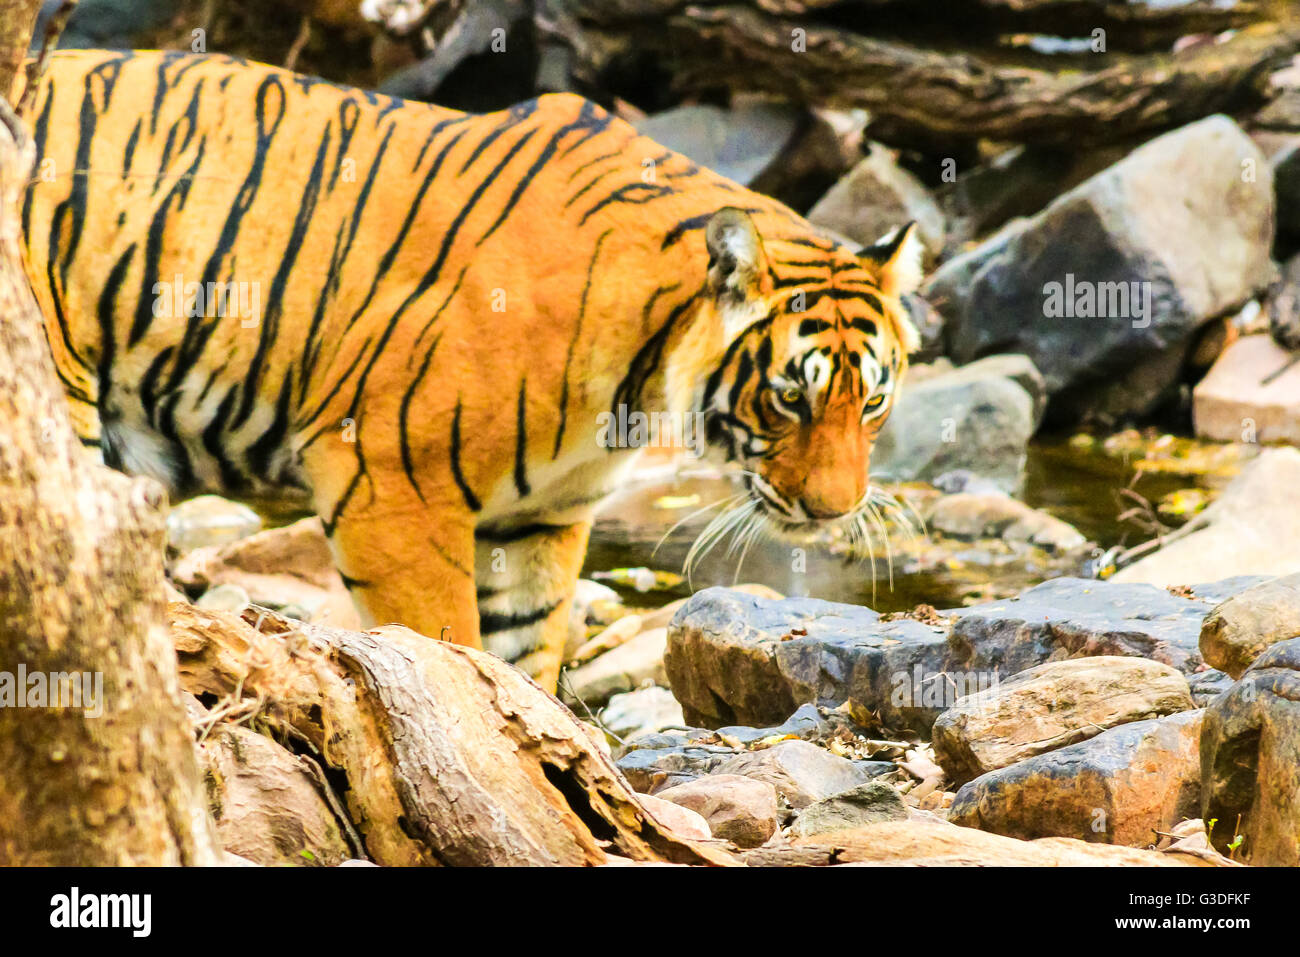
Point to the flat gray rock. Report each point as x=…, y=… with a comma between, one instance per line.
x=737, y=659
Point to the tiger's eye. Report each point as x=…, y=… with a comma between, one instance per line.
x=874, y=402
x=790, y=396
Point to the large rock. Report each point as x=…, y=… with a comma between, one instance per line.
x=666, y=759
x=1239, y=630
x=876, y=197
x=1176, y=217
x=1234, y=403
x=1017, y=182
x=1250, y=760
x=978, y=418
x=802, y=773
x=869, y=803
x=740, y=659
x=1079, y=617
x=738, y=809
x=1119, y=787
x=1050, y=706
x=1253, y=528
x=738, y=144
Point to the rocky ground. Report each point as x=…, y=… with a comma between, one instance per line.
x=1115, y=714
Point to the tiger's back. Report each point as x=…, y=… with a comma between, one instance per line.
x=404, y=317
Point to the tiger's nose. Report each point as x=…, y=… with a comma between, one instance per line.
x=819, y=510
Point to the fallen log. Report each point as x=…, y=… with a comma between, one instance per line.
x=928, y=97
x=450, y=755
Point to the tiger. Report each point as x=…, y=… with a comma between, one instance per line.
x=409, y=319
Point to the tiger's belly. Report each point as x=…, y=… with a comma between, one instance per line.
x=188, y=441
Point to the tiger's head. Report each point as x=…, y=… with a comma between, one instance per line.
x=807, y=355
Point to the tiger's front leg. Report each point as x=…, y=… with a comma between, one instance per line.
x=525, y=576
x=404, y=559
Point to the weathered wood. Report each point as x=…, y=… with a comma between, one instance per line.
x=111, y=779
x=451, y=755
x=17, y=18
x=925, y=97
x=1056, y=17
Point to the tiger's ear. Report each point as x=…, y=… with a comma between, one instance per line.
x=896, y=260
x=737, y=263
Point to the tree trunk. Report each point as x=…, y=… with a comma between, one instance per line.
x=111, y=779
x=17, y=18
x=447, y=755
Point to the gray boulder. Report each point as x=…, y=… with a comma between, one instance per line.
x=735, y=658
x=866, y=804
x=738, y=143
x=876, y=197
x=1119, y=787
x=979, y=417
x=1250, y=760
x=1239, y=630
x=1105, y=288
x=1078, y=617
x=650, y=770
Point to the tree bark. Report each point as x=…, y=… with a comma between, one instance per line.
x=929, y=97
x=450, y=756
x=114, y=780
x=17, y=18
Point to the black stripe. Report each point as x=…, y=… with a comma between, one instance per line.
x=521, y=441
x=414, y=210
x=155, y=241
x=197, y=333
x=646, y=361
x=407, y=464
x=232, y=479
x=573, y=342
x=312, y=348
x=504, y=535
x=515, y=115
x=270, y=319
x=587, y=120
x=470, y=498
x=489, y=623
x=260, y=452
x=106, y=309
x=635, y=194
